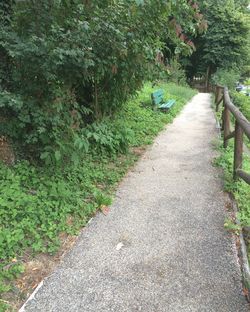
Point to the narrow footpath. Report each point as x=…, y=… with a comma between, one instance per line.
x=163, y=246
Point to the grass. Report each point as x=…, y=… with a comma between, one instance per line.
x=39, y=203
x=243, y=102
x=239, y=189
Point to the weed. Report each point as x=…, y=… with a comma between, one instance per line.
x=238, y=188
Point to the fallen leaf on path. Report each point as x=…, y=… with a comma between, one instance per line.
x=119, y=246
x=245, y=291
x=105, y=210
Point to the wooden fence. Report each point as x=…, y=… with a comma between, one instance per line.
x=242, y=126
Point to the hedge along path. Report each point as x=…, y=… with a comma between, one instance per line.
x=163, y=246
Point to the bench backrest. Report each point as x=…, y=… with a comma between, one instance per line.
x=157, y=96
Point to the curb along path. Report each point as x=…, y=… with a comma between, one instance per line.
x=163, y=246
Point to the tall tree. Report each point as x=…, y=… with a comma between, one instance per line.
x=225, y=44
x=6, y=10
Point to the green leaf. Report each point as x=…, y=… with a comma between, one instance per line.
x=58, y=155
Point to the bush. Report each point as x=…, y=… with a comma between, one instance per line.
x=243, y=102
x=71, y=63
x=226, y=77
x=177, y=73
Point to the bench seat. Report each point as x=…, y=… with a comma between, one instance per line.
x=158, y=100
x=168, y=104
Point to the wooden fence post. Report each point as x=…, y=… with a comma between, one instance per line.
x=238, y=148
x=216, y=97
x=226, y=124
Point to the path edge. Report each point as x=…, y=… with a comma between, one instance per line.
x=241, y=248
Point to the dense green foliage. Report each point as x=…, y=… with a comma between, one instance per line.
x=239, y=188
x=243, y=102
x=37, y=203
x=71, y=63
x=226, y=42
x=226, y=77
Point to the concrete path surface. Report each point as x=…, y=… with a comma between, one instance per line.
x=163, y=246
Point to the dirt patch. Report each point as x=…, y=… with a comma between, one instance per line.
x=138, y=151
x=36, y=269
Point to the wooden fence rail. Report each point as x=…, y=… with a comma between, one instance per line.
x=242, y=126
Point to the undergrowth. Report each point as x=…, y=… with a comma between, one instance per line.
x=243, y=102
x=39, y=202
x=239, y=189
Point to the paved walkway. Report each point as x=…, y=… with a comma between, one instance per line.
x=163, y=246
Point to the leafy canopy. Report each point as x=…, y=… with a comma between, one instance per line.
x=69, y=63
x=226, y=41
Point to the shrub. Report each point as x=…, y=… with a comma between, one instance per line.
x=226, y=77
x=177, y=73
x=71, y=63
x=243, y=102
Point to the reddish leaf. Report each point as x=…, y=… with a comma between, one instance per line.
x=105, y=210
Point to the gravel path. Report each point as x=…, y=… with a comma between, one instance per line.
x=162, y=247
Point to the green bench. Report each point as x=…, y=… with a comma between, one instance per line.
x=158, y=100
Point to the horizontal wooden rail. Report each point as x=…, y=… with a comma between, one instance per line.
x=244, y=123
x=243, y=175
x=230, y=136
x=242, y=126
